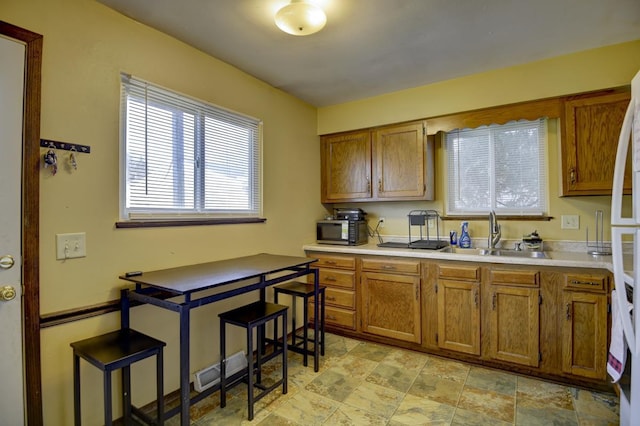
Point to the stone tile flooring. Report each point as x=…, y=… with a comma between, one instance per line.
x=361, y=383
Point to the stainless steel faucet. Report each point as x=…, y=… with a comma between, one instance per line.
x=494, y=230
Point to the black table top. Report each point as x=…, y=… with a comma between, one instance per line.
x=191, y=278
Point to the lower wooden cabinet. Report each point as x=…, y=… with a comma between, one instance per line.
x=391, y=305
x=338, y=274
x=512, y=314
x=547, y=321
x=584, y=334
x=458, y=293
x=514, y=331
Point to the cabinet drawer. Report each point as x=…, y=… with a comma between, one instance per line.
x=337, y=316
x=340, y=298
x=586, y=282
x=515, y=277
x=391, y=265
x=460, y=272
x=336, y=278
x=345, y=262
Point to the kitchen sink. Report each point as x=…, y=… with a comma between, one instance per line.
x=513, y=253
x=497, y=252
x=459, y=250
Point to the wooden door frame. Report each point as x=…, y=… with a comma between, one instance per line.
x=30, y=218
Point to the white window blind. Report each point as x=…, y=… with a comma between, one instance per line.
x=186, y=158
x=498, y=167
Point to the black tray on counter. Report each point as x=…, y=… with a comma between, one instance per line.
x=392, y=244
x=419, y=244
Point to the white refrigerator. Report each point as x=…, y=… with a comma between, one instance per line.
x=625, y=232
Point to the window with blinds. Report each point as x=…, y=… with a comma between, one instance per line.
x=498, y=167
x=184, y=158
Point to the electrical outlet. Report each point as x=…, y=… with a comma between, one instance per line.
x=69, y=246
x=381, y=222
x=570, y=221
x=431, y=223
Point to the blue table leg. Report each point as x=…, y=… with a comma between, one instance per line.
x=316, y=323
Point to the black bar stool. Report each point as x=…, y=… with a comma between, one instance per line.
x=297, y=289
x=112, y=351
x=250, y=317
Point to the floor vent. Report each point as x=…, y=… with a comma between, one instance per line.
x=210, y=376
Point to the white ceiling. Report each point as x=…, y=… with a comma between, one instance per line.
x=370, y=47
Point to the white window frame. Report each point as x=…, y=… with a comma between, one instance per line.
x=209, y=186
x=456, y=203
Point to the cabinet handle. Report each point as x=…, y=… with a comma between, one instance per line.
x=493, y=301
x=330, y=278
x=578, y=282
x=475, y=297
x=330, y=262
x=417, y=293
x=379, y=185
x=331, y=298
x=388, y=267
x=331, y=317
x=572, y=176
x=568, y=311
x=368, y=184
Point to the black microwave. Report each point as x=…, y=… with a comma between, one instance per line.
x=343, y=232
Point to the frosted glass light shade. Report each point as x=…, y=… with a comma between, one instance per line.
x=300, y=18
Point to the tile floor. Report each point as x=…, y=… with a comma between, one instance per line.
x=361, y=383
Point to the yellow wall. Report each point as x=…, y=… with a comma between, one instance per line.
x=595, y=69
x=86, y=46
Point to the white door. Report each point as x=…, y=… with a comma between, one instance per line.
x=12, y=57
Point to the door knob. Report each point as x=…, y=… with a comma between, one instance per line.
x=6, y=261
x=7, y=293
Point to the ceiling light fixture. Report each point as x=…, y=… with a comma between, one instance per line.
x=300, y=18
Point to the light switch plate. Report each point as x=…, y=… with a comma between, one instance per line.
x=570, y=221
x=69, y=246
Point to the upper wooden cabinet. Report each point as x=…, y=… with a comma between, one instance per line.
x=590, y=131
x=346, y=167
x=382, y=164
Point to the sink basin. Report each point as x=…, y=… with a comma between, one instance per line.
x=459, y=250
x=513, y=253
x=496, y=252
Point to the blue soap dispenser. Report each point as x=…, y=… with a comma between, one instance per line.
x=465, y=240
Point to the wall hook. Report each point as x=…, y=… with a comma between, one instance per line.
x=72, y=158
x=51, y=159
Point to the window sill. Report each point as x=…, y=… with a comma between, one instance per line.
x=485, y=216
x=187, y=222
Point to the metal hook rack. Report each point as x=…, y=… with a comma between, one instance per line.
x=48, y=143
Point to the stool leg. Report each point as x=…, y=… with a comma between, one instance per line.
x=76, y=390
x=275, y=323
x=322, y=322
x=250, y=372
x=259, y=340
x=126, y=395
x=284, y=352
x=305, y=333
x=223, y=385
x=160, y=388
x=293, y=320
x=107, y=398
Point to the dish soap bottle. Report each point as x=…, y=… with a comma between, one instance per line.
x=465, y=240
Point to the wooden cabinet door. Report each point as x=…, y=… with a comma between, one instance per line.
x=346, y=166
x=590, y=140
x=514, y=332
x=399, y=162
x=391, y=306
x=459, y=316
x=584, y=334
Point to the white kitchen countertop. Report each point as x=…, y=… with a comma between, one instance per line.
x=555, y=258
